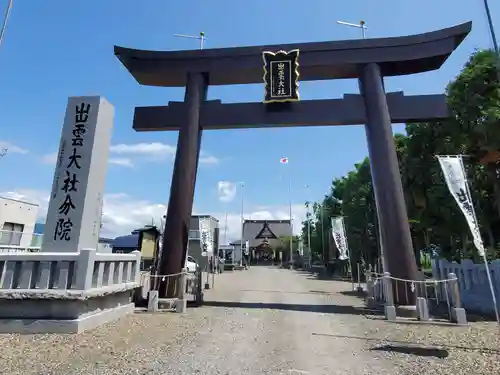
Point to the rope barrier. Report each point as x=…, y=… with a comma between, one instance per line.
x=163, y=277
x=433, y=281
x=421, y=281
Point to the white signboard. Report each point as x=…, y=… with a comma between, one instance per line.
x=206, y=241
x=454, y=175
x=74, y=214
x=339, y=236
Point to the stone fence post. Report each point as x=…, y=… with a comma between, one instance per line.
x=85, y=269
x=181, y=303
x=370, y=290
x=458, y=314
x=389, y=308
x=137, y=269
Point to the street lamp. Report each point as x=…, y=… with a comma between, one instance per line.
x=201, y=37
x=361, y=25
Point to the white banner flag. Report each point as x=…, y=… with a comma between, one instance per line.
x=454, y=175
x=339, y=236
x=205, y=236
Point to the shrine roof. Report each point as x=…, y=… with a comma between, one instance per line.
x=318, y=60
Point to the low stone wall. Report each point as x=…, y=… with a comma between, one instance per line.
x=473, y=282
x=65, y=292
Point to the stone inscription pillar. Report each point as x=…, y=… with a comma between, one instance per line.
x=75, y=207
x=180, y=204
x=388, y=188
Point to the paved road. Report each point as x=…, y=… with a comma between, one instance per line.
x=275, y=321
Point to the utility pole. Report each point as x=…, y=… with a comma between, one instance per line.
x=201, y=37
x=490, y=25
x=5, y=20
x=325, y=258
x=3, y=153
x=361, y=25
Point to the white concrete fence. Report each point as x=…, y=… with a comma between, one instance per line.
x=65, y=292
x=69, y=271
x=472, y=282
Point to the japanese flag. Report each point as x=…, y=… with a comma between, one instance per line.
x=284, y=160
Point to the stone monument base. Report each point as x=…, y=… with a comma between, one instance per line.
x=62, y=311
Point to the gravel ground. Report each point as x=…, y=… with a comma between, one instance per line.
x=261, y=321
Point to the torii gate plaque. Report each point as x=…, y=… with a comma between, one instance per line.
x=368, y=60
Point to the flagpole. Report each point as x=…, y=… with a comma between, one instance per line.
x=290, y=212
x=242, y=224
x=225, y=229
x=485, y=258
x=348, y=251
x=309, y=227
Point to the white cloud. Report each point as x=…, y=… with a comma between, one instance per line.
x=127, y=153
x=49, y=158
x=11, y=148
x=155, y=149
x=227, y=191
x=123, y=213
x=124, y=162
x=206, y=158
x=209, y=160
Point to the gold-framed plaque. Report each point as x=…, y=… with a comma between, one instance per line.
x=281, y=76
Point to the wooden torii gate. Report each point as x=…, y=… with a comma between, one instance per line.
x=368, y=60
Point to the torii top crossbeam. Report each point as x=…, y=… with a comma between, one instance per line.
x=318, y=61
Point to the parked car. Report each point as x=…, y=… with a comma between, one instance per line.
x=191, y=264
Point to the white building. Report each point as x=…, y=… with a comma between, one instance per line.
x=17, y=222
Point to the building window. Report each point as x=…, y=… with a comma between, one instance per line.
x=194, y=234
x=11, y=234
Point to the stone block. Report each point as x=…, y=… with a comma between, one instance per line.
x=62, y=311
x=390, y=312
x=153, y=301
x=458, y=315
x=180, y=306
x=370, y=302
x=422, y=309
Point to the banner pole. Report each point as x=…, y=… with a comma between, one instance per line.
x=485, y=258
x=348, y=252
x=344, y=233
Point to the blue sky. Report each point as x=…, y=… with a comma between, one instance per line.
x=55, y=48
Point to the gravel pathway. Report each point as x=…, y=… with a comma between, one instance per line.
x=261, y=321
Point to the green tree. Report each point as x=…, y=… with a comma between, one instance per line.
x=472, y=130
